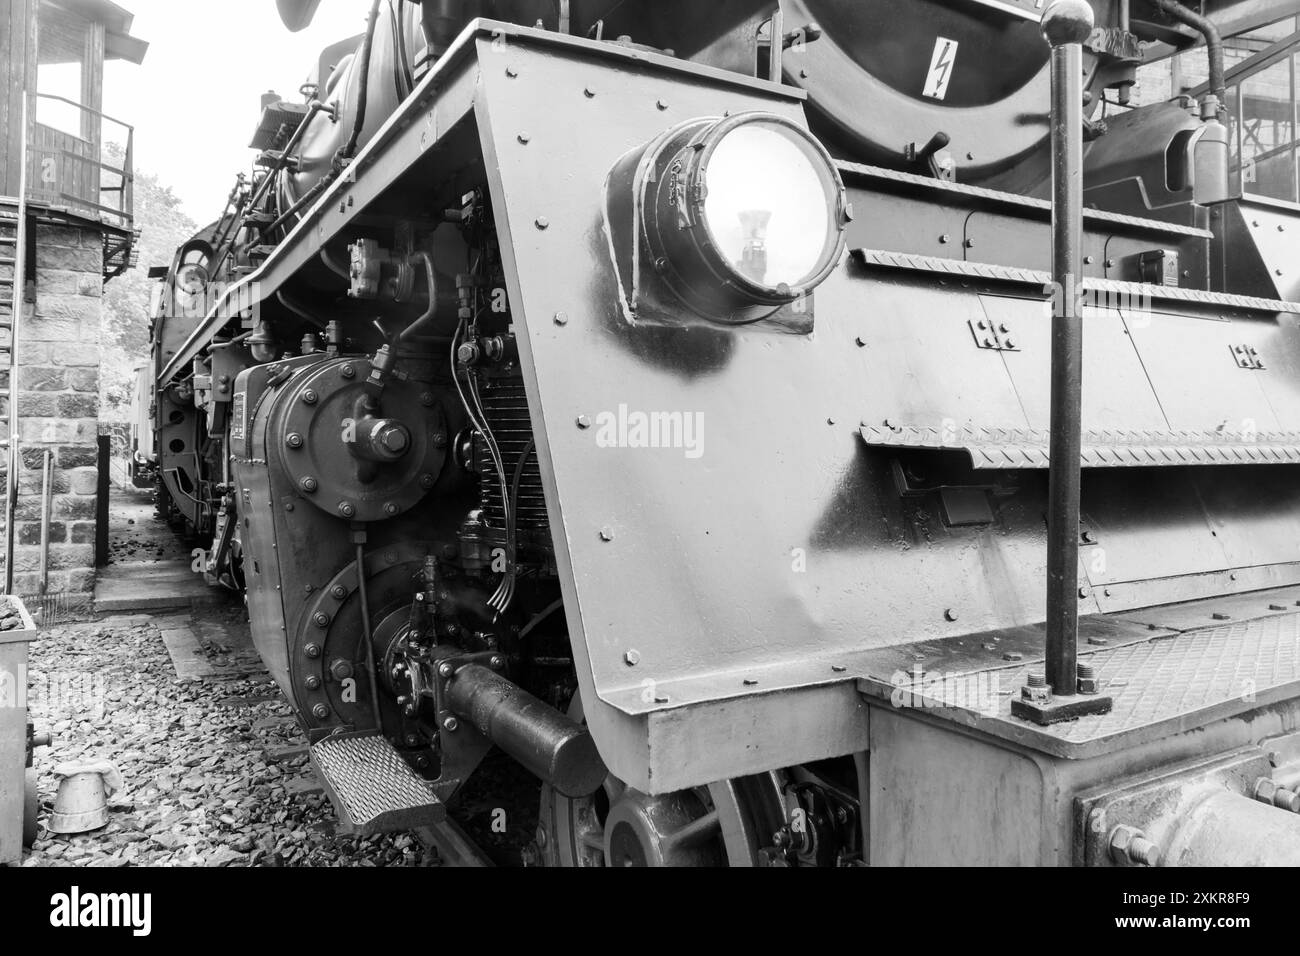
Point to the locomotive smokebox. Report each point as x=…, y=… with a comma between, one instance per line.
x=546, y=742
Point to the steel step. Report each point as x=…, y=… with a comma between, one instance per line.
x=372, y=788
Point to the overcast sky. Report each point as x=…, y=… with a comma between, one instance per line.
x=195, y=100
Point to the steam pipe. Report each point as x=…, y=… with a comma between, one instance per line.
x=363, y=90
x=1213, y=42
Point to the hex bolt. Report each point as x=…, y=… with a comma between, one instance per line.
x=312, y=682
x=341, y=669
x=524, y=138
x=1037, y=680
x=561, y=318
x=293, y=440
x=950, y=615
x=1269, y=791
x=583, y=422
x=321, y=711
x=1130, y=847
x=339, y=592
x=347, y=371
x=450, y=724
x=661, y=104
x=391, y=509
x=607, y=533
x=310, y=397
x=427, y=481
x=632, y=657
x=312, y=651
x=1087, y=682
x=589, y=93
x=346, y=509
x=321, y=619
x=445, y=670
x=309, y=484
x=543, y=223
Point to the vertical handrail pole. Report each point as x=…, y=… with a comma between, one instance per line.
x=47, y=503
x=1066, y=25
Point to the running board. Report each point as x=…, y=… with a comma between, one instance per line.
x=372, y=788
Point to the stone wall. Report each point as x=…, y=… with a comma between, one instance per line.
x=58, y=408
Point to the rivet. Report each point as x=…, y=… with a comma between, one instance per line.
x=589, y=93
x=945, y=239
x=346, y=509
x=543, y=222
x=312, y=650
x=662, y=104
x=583, y=421
x=1083, y=592
x=862, y=343
x=321, y=711
x=632, y=657
x=309, y=484
x=607, y=533
x=950, y=615
x=524, y=138
x=288, y=506
x=803, y=74
x=561, y=318
x=830, y=421
x=511, y=72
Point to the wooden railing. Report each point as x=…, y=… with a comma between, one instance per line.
x=78, y=173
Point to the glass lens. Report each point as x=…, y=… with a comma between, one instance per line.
x=769, y=204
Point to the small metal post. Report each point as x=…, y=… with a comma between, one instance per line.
x=47, y=507
x=1066, y=24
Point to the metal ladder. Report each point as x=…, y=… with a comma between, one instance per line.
x=13, y=251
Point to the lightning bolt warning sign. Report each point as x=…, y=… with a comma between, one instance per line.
x=936, y=82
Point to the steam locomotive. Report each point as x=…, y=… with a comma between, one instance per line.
x=658, y=392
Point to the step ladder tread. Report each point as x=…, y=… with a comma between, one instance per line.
x=372, y=788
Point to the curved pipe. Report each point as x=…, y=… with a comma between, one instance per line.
x=429, y=313
x=1213, y=42
x=363, y=90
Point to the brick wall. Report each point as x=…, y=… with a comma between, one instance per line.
x=58, y=408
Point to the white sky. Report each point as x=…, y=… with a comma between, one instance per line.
x=194, y=102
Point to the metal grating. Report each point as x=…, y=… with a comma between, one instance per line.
x=1028, y=448
x=372, y=787
x=1164, y=685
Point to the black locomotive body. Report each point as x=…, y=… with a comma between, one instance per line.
x=551, y=386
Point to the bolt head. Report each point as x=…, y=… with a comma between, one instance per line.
x=312, y=682
x=339, y=592
x=293, y=440
x=450, y=724
x=606, y=533
x=310, y=397
x=1068, y=21
x=309, y=484
x=320, y=711
x=950, y=614
x=321, y=619
x=346, y=509
x=391, y=509
x=632, y=657
x=445, y=670
x=427, y=482
x=583, y=422
x=347, y=371
x=312, y=651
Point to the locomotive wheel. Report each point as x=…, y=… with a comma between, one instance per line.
x=31, y=806
x=723, y=824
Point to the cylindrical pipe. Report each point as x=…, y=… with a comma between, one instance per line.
x=1066, y=24
x=1228, y=829
x=47, y=507
x=547, y=743
x=1213, y=42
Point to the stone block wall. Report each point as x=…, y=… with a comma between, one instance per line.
x=58, y=408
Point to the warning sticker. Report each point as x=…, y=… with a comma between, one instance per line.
x=936, y=83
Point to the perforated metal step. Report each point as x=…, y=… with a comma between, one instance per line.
x=372, y=788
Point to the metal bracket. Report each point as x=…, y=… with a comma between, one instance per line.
x=1054, y=709
x=993, y=335
x=1246, y=357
